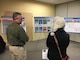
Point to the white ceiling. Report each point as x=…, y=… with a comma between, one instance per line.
x=55, y=1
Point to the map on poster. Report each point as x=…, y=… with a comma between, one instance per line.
x=72, y=25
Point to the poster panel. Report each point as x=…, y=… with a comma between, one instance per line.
x=72, y=25
x=7, y=20
x=42, y=24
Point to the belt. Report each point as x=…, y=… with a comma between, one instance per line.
x=18, y=45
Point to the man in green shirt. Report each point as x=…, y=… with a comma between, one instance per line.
x=17, y=38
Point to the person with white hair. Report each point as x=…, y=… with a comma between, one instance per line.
x=63, y=39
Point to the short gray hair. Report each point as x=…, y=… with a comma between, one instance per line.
x=15, y=14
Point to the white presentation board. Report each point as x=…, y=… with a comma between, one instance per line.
x=72, y=25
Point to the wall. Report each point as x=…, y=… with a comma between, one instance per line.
x=36, y=8
x=71, y=9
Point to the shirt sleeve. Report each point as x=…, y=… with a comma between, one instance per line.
x=23, y=35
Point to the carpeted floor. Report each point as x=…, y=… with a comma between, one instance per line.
x=34, y=51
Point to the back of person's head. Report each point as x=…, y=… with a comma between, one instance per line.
x=15, y=14
x=58, y=22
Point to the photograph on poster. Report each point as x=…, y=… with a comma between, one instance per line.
x=36, y=21
x=49, y=28
x=44, y=29
x=36, y=29
x=44, y=21
x=40, y=29
x=40, y=21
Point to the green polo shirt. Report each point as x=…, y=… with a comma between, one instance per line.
x=16, y=35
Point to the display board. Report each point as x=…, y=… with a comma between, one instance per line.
x=42, y=24
x=7, y=20
x=72, y=25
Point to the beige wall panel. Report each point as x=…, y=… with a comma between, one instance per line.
x=74, y=9
x=61, y=10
